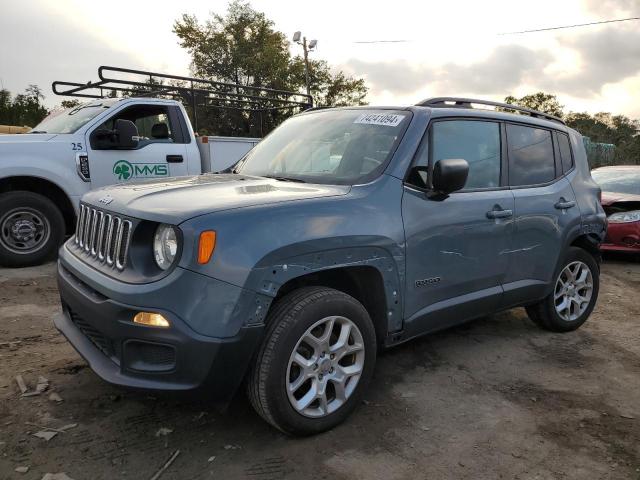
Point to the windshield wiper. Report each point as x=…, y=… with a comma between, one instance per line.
x=286, y=179
x=37, y=131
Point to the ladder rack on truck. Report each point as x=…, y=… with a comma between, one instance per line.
x=193, y=92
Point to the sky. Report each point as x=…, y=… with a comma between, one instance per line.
x=452, y=47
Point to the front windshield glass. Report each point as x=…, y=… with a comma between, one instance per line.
x=618, y=180
x=330, y=146
x=68, y=121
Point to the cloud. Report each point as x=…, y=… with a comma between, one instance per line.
x=397, y=76
x=608, y=55
x=610, y=8
x=38, y=47
x=504, y=69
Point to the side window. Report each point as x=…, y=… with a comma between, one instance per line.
x=565, y=152
x=152, y=122
x=531, y=158
x=477, y=142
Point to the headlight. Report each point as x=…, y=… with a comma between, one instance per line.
x=165, y=245
x=625, y=217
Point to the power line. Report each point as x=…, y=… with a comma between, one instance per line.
x=571, y=26
x=382, y=41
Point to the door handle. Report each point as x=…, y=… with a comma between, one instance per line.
x=499, y=213
x=174, y=158
x=562, y=204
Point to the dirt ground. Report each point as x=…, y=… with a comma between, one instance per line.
x=496, y=398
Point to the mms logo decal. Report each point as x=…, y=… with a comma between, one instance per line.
x=125, y=170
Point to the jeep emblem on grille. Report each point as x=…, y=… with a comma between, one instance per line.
x=106, y=200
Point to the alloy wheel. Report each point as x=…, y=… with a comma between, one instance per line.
x=325, y=367
x=573, y=291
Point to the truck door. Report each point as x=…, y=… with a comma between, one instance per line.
x=455, y=246
x=161, y=150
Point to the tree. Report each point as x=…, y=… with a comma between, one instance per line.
x=24, y=109
x=243, y=47
x=543, y=102
x=605, y=128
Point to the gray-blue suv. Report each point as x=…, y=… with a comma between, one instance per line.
x=344, y=232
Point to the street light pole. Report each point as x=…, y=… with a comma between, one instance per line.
x=306, y=64
x=306, y=48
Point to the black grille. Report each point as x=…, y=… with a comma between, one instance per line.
x=149, y=357
x=158, y=355
x=96, y=337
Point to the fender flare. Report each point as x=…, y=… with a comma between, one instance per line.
x=268, y=277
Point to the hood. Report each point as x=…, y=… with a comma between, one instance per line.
x=181, y=198
x=27, y=137
x=609, y=198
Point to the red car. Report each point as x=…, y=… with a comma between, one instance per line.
x=621, y=201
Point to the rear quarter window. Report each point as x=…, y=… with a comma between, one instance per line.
x=531, y=159
x=565, y=152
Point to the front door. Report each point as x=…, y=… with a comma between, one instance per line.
x=160, y=152
x=456, y=247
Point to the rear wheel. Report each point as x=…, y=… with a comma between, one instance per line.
x=31, y=229
x=574, y=295
x=316, y=360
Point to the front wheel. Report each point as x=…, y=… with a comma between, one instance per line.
x=574, y=295
x=31, y=229
x=317, y=358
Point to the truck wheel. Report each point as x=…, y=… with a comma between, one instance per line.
x=574, y=295
x=316, y=360
x=31, y=229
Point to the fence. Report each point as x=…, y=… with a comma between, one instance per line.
x=599, y=154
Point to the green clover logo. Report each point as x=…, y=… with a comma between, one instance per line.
x=122, y=169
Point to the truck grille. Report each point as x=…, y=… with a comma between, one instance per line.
x=104, y=236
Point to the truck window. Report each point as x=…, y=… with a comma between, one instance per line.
x=531, y=159
x=69, y=121
x=565, y=152
x=152, y=122
x=476, y=141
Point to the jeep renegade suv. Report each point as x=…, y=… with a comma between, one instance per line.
x=344, y=231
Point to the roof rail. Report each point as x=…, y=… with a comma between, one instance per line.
x=195, y=92
x=457, y=102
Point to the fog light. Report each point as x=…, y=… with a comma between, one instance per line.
x=151, y=319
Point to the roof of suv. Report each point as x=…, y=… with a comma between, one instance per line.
x=463, y=107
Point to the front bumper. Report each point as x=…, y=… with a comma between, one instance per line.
x=136, y=356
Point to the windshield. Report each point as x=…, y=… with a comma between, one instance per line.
x=68, y=121
x=618, y=180
x=331, y=146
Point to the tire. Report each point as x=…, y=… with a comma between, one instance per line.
x=274, y=370
x=566, y=309
x=31, y=229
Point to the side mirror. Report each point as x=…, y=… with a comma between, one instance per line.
x=126, y=134
x=450, y=175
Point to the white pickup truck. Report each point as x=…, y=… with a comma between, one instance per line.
x=43, y=173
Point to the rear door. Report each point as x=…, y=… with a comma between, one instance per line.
x=455, y=246
x=545, y=208
x=161, y=151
